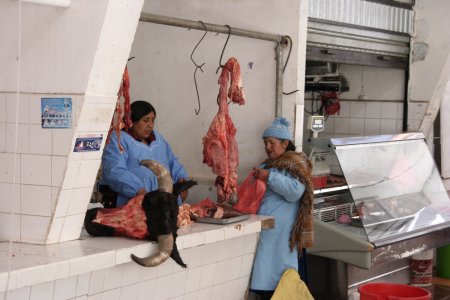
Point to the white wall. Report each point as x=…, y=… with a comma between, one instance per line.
x=380, y=84
x=80, y=52
x=372, y=106
x=429, y=47
x=77, y=52
x=56, y=50
x=162, y=73
x=445, y=138
x=430, y=72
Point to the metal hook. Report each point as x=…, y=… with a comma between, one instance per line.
x=198, y=67
x=195, y=48
x=223, y=50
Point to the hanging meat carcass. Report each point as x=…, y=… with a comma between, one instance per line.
x=220, y=149
x=122, y=117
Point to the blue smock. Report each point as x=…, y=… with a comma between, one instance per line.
x=122, y=171
x=273, y=255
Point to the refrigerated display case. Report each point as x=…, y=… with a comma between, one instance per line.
x=384, y=202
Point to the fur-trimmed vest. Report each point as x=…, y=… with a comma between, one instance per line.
x=299, y=166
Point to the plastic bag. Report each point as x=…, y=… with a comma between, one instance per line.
x=291, y=286
x=330, y=102
x=250, y=194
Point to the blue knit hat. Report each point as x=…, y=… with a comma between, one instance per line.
x=279, y=129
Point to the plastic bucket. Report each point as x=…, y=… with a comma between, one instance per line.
x=392, y=291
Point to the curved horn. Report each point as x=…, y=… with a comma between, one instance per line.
x=165, y=246
x=164, y=179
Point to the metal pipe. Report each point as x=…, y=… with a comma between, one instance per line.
x=279, y=81
x=405, y=102
x=60, y=3
x=152, y=18
x=279, y=39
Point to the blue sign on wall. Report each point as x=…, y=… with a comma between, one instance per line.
x=88, y=143
x=56, y=112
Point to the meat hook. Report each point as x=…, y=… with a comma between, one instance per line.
x=223, y=50
x=198, y=67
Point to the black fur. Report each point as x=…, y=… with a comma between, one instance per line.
x=96, y=229
x=161, y=210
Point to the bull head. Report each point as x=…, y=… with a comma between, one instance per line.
x=161, y=209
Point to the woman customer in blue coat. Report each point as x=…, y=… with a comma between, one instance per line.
x=122, y=172
x=288, y=198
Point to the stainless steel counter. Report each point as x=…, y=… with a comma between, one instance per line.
x=396, y=207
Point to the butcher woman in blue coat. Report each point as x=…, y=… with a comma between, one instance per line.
x=289, y=199
x=122, y=172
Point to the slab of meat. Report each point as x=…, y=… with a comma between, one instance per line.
x=219, y=145
x=203, y=209
x=208, y=209
x=184, y=215
x=122, y=117
x=128, y=220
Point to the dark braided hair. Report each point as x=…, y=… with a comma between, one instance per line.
x=291, y=146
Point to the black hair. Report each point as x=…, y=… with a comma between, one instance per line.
x=290, y=146
x=141, y=108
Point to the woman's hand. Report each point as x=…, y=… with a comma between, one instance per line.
x=261, y=174
x=184, y=194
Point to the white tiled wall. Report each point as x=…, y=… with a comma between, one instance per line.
x=29, y=163
x=39, y=160
x=220, y=270
x=358, y=118
x=372, y=117
x=49, y=178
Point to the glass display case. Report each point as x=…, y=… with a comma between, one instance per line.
x=388, y=204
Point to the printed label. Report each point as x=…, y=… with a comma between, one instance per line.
x=56, y=112
x=421, y=272
x=88, y=143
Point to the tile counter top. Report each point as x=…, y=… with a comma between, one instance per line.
x=27, y=264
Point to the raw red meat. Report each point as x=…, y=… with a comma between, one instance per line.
x=208, y=209
x=184, y=215
x=219, y=145
x=203, y=209
x=122, y=117
x=128, y=220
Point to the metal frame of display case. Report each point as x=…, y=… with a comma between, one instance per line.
x=351, y=255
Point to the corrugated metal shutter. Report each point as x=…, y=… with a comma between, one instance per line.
x=355, y=31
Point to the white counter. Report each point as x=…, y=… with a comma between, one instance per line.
x=219, y=258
